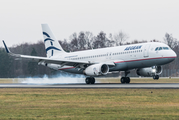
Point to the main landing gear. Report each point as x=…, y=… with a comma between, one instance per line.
x=125, y=79
x=90, y=80
x=156, y=77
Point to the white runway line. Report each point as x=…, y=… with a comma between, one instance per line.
x=100, y=85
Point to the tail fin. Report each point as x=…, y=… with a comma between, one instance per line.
x=52, y=46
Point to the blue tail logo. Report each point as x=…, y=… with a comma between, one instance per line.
x=51, y=42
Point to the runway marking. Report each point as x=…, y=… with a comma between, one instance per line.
x=96, y=86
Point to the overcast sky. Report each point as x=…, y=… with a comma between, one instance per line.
x=20, y=20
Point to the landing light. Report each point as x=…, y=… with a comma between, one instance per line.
x=153, y=70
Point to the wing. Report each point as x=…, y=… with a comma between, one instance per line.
x=62, y=62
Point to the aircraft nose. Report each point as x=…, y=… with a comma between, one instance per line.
x=173, y=55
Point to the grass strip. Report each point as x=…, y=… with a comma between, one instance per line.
x=28, y=103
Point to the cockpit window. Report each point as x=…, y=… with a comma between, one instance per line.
x=160, y=48
x=156, y=49
x=165, y=48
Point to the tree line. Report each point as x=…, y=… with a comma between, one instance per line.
x=12, y=67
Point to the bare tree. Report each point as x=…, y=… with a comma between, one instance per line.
x=120, y=38
x=81, y=40
x=65, y=45
x=100, y=40
x=89, y=40
x=170, y=41
x=74, y=42
x=111, y=41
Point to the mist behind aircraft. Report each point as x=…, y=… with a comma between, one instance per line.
x=57, y=79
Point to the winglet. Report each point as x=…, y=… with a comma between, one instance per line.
x=7, y=50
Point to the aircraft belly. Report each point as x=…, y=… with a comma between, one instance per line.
x=127, y=65
x=119, y=67
x=164, y=61
x=132, y=64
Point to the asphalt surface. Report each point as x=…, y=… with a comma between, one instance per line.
x=96, y=86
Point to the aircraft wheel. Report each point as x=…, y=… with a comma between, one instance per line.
x=156, y=77
x=88, y=80
x=128, y=80
x=123, y=80
x=92, y=80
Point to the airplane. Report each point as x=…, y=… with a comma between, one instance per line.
x=146, y=58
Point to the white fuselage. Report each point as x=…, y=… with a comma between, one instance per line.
x=125, y=57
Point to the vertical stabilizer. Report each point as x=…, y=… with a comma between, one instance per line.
x=52, y=46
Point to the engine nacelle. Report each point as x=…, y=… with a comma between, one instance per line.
x=150, y=71
x=50, y=65
x=97, y=70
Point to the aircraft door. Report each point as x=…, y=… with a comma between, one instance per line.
x=146, y=50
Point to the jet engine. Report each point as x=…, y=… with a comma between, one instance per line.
x=50, y=65
x=150, y=71
x=97, y=70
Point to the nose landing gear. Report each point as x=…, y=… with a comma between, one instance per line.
x=156, y=77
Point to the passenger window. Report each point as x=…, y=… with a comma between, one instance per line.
x=160, y=48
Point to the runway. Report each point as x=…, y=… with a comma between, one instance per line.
x=96, y=86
